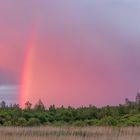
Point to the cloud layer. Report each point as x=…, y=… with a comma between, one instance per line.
x=87, y=52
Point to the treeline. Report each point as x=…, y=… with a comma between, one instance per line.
x=127, y=114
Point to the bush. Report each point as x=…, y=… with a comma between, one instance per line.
x=108, y=121
x=91, y=122
x=133, y=121
x=21, y=122
x=79, y=123
x=8, y=123
x=33, y=122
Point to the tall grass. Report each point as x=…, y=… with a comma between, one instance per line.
x=69, y=133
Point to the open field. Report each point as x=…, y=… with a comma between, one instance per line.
x=69, y=133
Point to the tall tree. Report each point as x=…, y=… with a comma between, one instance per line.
x=28, y=105
x=138, y=98
x=39, y=106
x=3, y=104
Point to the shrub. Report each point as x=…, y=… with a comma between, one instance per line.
x=21, y=122
x=33, y=122
x=110, y=121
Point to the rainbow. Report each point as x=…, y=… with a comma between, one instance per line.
x=26, y=79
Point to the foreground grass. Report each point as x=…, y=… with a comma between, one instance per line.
x=69, y=133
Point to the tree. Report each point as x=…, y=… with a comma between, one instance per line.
x=16, y=106
x=138, y=98
x=129, y=103
x=3, y=104
x=39, y=106
x=28, y=105
x=52, y=108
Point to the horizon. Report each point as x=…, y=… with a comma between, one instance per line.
x=71, y=53
x=127, y=102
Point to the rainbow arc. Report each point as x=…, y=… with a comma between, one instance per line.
x=27, y=74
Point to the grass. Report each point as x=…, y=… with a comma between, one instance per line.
x=69, y=133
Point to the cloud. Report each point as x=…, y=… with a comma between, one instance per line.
x=83, y=47
x=7, y=77
x=9, y=93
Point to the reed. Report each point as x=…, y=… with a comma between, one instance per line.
x=69, y=133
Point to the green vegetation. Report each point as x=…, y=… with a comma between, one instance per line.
x=127, y=114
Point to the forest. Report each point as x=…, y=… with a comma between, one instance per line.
x=127, y=114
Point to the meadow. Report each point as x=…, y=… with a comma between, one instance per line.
x=69, y=133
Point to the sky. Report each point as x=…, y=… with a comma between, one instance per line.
x=73, y=52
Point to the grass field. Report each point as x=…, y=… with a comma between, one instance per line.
x=69, y=133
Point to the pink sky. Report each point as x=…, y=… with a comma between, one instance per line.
x=85, y=52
